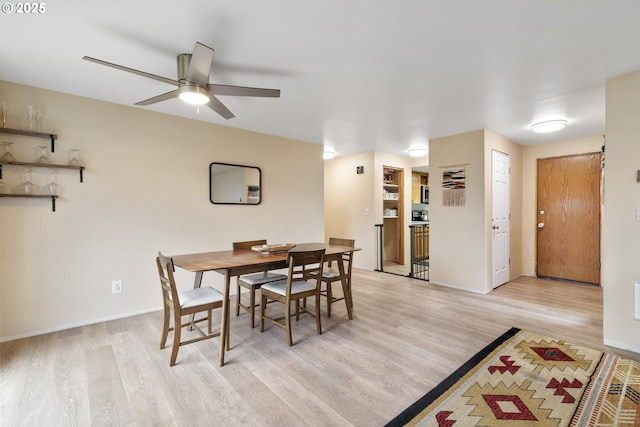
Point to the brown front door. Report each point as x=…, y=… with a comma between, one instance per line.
x=569, y=218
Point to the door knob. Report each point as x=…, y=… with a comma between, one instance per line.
x=541, y=225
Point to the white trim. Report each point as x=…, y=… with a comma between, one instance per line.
x=75, y=325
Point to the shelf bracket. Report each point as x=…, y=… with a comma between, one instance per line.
x=53, y=203
x=53, y=145
x=0, y=171
x=81, y=174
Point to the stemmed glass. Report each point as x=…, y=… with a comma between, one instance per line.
x=39, y=118
x=5, y=109
x=31, y=110
x=52, y=188
x=41, y=156
x=26, y=186
x=7, y=156
x=74, y=157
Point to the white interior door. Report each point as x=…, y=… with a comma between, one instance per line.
x=500, y=217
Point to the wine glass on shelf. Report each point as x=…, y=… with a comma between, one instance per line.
x=39, y=118
x=7, y=156
x=74, y=157
x=52, y=188
x=31, y=111
x=41, y=154
x=5, y=108
x=26, y=186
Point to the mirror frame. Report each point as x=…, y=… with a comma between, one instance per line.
x=211, y=178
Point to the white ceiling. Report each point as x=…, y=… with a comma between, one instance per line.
x=356, y=75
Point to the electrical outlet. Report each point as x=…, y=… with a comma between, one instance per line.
x=116, y=286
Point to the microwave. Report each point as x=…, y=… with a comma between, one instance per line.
x=424, y=194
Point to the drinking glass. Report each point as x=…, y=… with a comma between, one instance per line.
x=1, y=186
x=41, y=154
x=74, y=157
x=52, y=188
x=7, y=156
x=5, y=109
x=26, y=186
x=31, y=111
x=39, y=118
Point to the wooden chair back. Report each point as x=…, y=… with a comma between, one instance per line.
x=305, y=265
x=167, y=280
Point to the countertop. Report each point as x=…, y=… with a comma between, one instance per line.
x=419, y=222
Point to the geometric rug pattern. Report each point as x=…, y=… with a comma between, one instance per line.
x=526, y=379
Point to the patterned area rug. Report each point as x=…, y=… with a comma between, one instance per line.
x=525, y=379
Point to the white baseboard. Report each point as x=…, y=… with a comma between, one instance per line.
x=75, y=325
x=620, y=345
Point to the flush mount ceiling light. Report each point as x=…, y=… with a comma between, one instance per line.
x=418, y=152
x=548, y=126
x=328, y=154
x=193, y=94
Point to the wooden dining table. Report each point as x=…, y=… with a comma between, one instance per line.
x=237, y=262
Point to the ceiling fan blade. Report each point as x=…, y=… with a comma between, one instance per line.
x=200, y=65
x=131, y=70
x=219, y=108
x=244, y=91
x=159, y=98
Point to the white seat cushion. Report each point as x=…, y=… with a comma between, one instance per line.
x=262, y=278
x=330, y=273
x=280, y=287
x=199, y=296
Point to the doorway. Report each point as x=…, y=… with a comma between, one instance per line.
x=568, y=218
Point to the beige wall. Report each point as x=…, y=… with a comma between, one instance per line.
x=146, y=189
x=531, y=154
x=457, y=234
x=621, y=229
x=347, y=195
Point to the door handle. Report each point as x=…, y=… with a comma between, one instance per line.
x=541, y=225
x=495, y=227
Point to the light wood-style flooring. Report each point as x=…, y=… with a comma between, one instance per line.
x=406, y=336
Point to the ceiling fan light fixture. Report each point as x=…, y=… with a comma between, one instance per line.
x=548, y=126
x=194, y=94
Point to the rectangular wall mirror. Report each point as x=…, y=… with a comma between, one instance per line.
x=231, y=184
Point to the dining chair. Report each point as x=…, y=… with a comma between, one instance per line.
x=303, y=280
x=331, y=275
x=252, y=282
x=183, y=303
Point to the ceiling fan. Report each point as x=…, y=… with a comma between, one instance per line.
x=193, y=82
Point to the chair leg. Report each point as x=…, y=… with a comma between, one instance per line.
x=165, y=327
x=210, y=315
x=252, y=306
x=329, y=299
x=237, y=300
x=318, y=325
x=177, y=329
x=263, y=307
x=287, y=321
